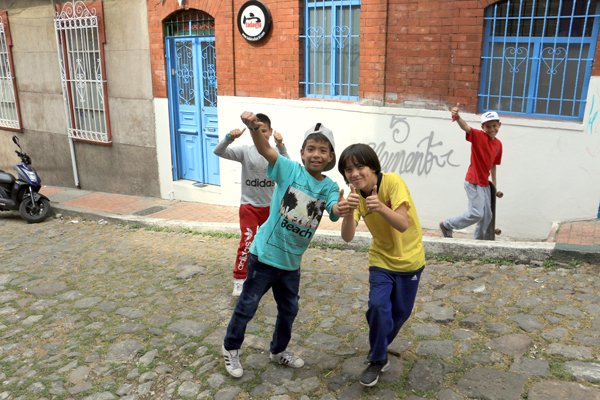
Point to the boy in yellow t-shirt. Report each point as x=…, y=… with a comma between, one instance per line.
x=396, y=254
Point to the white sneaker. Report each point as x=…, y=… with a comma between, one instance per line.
x=287, y=358
x=237, y=287
x=232, y=362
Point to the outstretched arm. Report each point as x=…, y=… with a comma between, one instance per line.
x=222, y=150
x=260, y=141
x=461, y=122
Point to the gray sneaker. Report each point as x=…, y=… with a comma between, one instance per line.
x=287, y=358
x=446, y=232
x=232, y=362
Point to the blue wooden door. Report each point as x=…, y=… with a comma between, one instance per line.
x=209, y=109
x=193, y=108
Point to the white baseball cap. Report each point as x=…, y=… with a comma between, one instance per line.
x=320, y=128
x=489, y=116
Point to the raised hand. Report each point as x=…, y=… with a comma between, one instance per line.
x=249, y=119
x=455, y=112
x=278, y=138
x=373, y=202
x=236, y=133
x=343, y=208
x=353, y=198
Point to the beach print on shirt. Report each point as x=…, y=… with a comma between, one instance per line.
x=299, y=216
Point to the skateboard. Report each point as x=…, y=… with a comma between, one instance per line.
x=492, y=231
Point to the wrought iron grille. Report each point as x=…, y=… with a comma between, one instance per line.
x=194, y=23
x=537, y=57
x=190, y=23
x=185, y=72
x=209, y=74
x=9, y=114
x=82, y=72
x=331, y=49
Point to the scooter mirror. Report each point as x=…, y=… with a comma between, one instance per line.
x=16, y=141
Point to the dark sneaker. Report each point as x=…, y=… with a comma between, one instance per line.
x=287, y=358
x=370, y=376
x=445, y=231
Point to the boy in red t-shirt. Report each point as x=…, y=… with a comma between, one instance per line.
x=486, y=153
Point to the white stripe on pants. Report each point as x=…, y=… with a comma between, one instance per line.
x=479, y=212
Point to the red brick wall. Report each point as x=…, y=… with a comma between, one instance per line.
x=272, y=67
x=433, y=52
x=596, y=65
x=373, y=31
x=420, y=53
x=269, y=68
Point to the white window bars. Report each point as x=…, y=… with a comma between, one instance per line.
x=81, y=60
x=9, y=108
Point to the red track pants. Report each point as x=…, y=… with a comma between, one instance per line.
x=250, y=219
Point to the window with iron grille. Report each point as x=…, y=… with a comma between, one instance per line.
x=537, y=57
x=80, y=41
x=10, y=116
x=193, y=23
x=190, y=23
x=331, y=49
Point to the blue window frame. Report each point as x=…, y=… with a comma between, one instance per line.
x=331, y=49
x=537, y=57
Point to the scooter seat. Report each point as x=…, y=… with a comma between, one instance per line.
x=6, y=178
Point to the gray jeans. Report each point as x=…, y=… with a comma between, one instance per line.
x=479, y=212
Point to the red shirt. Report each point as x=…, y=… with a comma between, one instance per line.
x=485, y=153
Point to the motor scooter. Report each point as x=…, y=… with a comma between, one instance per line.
x=22, y=193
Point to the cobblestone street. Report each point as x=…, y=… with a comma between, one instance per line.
x=97, y=311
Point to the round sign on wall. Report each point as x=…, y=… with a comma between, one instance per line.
x=254, y=20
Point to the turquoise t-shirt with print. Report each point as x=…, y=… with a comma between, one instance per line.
x=296, y=210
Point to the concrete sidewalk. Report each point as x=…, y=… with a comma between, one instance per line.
x=569, y=241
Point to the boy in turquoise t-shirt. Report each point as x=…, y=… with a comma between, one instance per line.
x=301, y=195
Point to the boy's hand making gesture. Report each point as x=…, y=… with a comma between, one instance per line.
x=347, y=206
x=260, y=141
x=455, y=110
x=456, y=117
x=250, y=120
x=373, y=202
x=236, y=133
x=397, y=218
x=278, y=139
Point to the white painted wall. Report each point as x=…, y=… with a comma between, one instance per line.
x=550, y=170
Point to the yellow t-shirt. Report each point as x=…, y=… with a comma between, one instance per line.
x=390, y=248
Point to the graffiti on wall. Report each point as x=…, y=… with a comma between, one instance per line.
x=592, y=115
x=591, y=127
x=428, y=154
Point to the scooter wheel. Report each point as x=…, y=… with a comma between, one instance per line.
x=34, y=212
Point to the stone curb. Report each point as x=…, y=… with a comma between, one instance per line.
x=521, y=252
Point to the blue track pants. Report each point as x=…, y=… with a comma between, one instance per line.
x=391, y=301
